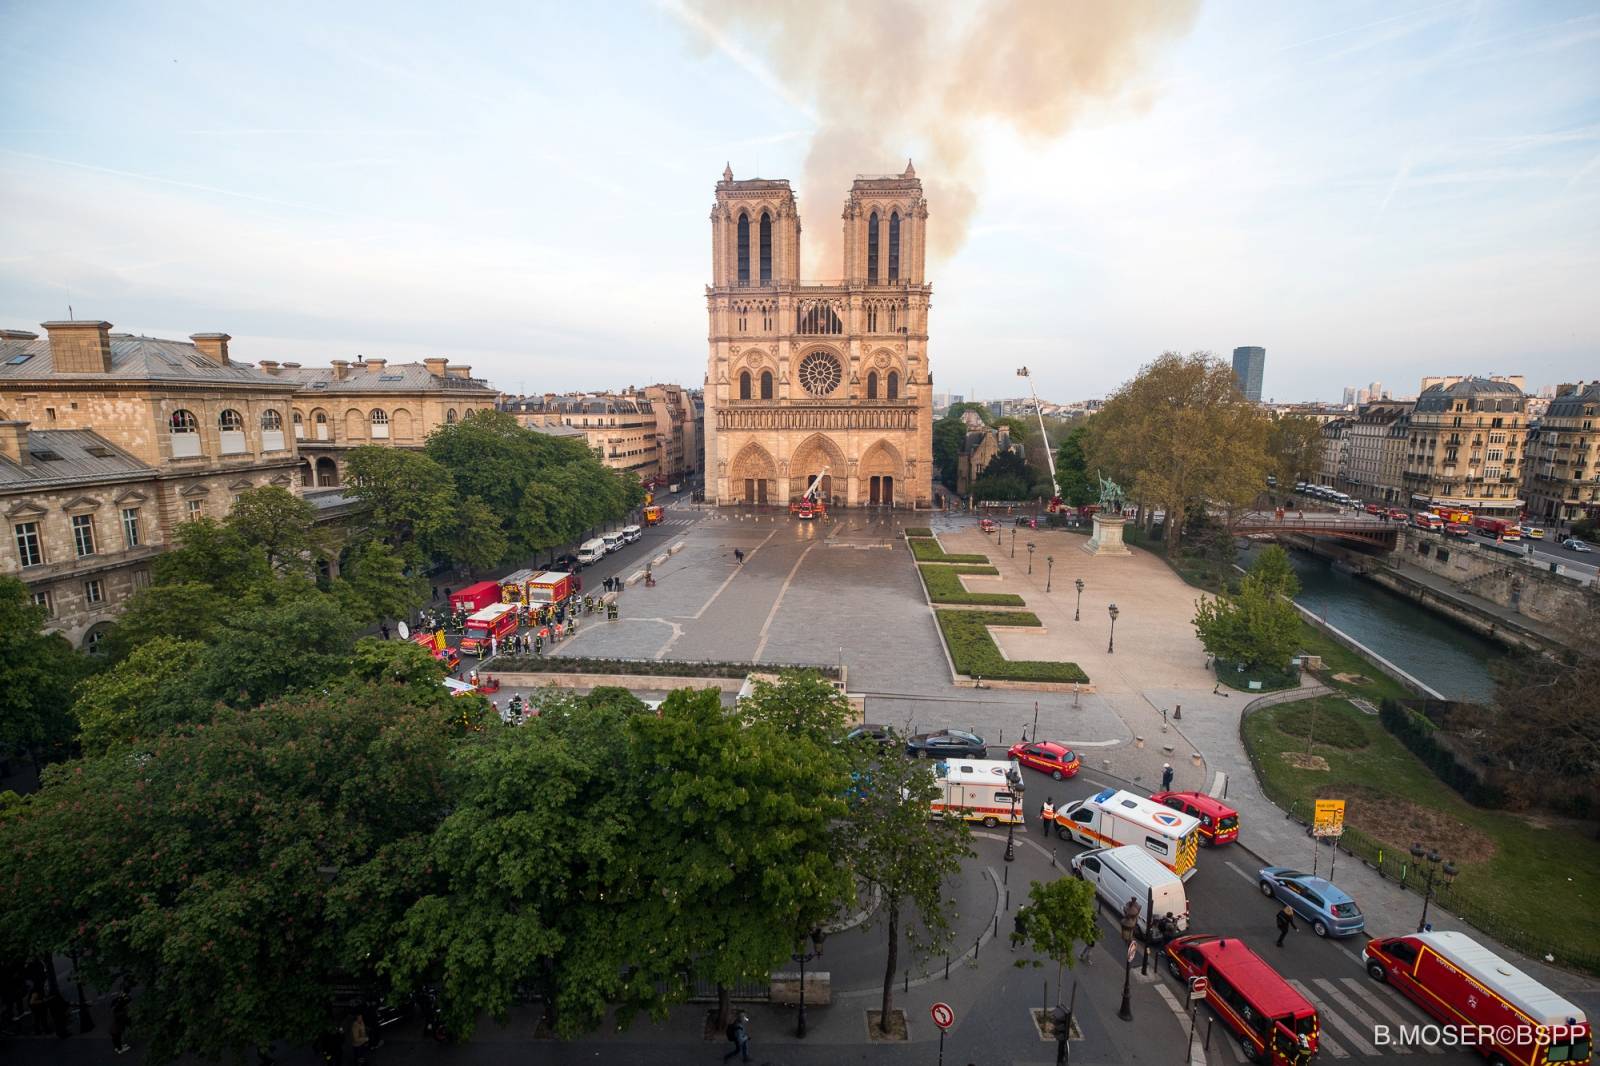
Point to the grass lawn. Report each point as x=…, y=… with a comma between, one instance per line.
x=918, y=531
x=1337, y=659
x=1518, y=874
x=927, y=550
x=944, y=586
x=975, y=653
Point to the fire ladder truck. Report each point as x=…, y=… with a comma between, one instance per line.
x=809, y=505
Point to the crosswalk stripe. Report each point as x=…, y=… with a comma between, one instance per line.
x=1338, y=996
x=1330, y=1018
x=1198, y=1056
x=1373, y=1000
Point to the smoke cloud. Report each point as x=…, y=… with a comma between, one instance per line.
x=889, y=79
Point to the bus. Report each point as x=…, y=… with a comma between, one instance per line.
x=1272, y=1022
x=1490, y=1003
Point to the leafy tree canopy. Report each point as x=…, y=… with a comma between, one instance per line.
x=1073, y=480
x=37, y=673
x=1255, y=626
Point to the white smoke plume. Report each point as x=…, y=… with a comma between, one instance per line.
x=889, y=79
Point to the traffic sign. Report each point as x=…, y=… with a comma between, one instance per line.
x=1198, y=987
x=1133, y=949
x=943, y=1016
x=1328, y=819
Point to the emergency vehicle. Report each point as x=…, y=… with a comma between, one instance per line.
x=475, y=597
x=1510, y=1016
x=1112, y=817
x=653, y=515
x=552, y=586
x=436, y=646
x=1427, y=520
x=810, y=504
x=979, y=790
x=1272, y=1022
x=513, y=587
x=492, y=625
x=1219, y=823
x=1498, y=528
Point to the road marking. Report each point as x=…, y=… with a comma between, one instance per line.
x=1338, y=996
x=767, y=625
x=737, y=567
x=1373, y=1000
x=1357, y=959
x=1198, y=1055
x=1330, y=1018
x=1248, y=877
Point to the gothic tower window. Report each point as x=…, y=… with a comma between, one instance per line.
x=744, y=248
x=893, y=391
x=766, y=384
x=744, y=385
x=766, y=248
x=894, y=317
x=872, y=385
x=872, y=316
x=872, y=248
x=894, y=246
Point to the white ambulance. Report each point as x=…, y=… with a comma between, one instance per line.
x=979, y=790
x=1112, y=817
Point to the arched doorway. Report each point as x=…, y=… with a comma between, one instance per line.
x=307, y=478
x=877, y=472
x=327, y=472
x=753, y=477
x=817, y=456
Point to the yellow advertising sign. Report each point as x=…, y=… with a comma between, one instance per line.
x=1329, y=818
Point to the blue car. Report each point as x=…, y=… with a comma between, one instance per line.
x=1328, y=908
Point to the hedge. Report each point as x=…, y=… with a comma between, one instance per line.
x=927, y=550
x=1416, y=733
x=964, y=568
x=562, y=664
x=944, y=586
x=975, y=653
x=918, y=531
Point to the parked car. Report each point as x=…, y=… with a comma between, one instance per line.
x=1219, y=823
x=946, y=743
x=564, y=564
x=1046, y=756
x=1533, y=532
x=631, y=534
x=1576, y=545
x=1328, y=908
x=869, y=731
x=1397, y=515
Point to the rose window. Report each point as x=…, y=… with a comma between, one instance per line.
x=820, y=373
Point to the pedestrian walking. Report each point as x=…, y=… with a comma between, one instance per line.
x=436, y=592
x=359, y=1042
x=739, y=1037
x=119, y=1024
x=1047, y=814
x=1285, y=922
x=1019, y=926
x=383, y=627
x=1166, y=776
x=738, y=556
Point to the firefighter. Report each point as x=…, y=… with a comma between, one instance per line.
x=611, y=612
x=538, y=643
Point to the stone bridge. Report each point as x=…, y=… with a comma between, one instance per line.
x=1358, y=528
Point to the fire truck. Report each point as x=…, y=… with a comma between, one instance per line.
x=513, y=587
x=489, y=627
x=552, y=586
x=475, y=597
x=653, y=515
x=810, y=504
x=1498, y=528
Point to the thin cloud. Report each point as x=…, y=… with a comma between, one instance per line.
x=740, y=57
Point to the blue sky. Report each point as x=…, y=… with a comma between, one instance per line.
x=1370, y=191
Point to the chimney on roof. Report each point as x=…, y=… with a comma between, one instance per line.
x=458, y=370
x=80, y=347
x=341, y=368
x=435, y=365
x=291, y=366
x=14, y=442
x=17, y=335
x=376, y=365
x=270, y=366
x=214, y=346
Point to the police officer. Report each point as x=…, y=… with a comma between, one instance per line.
x=1047, y=815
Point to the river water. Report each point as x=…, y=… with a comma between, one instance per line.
x=1430, y=648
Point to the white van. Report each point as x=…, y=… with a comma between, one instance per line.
x=631, y=533
x=613, y=541
x=979, y=790
x=1111, y=817
x=591, y=551
x=1126, y=872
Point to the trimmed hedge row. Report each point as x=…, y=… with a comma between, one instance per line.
x=562, y=664
x=975, y=653
x=918, y=531
x=944, y=586
x=964, y=568
x=1416, y=733
x=927, y=550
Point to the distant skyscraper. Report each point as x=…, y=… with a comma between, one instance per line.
x=1248, y=363
x=1349, y=394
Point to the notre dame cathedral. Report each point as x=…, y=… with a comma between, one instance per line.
x=826, y=380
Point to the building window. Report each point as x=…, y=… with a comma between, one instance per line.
x=893, y=390
x=320, y=418
x=272, y=430
x=93, y=639
x=183, y=434
x=872, y=248
x=29, y=551
x=744, y=249
x=299, y=426
x=231, y=425
x=196, y=509
x=93, y=591
x=130, y=526
x=380, y=423
x=872, y=317
x=766, y=384
x=141, y=579
x=894, y=246
x=42, y=600
x=450, y=417
x=83, y=534
x=49, y=414
x=766, y=248
x=744, y=385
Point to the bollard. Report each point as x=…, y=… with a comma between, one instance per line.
x=1008, y=905
x=1138, y=741
x=907, y=988
x=1177, y=713
x=1005, y=877
x=997, y=927
x=976, y=944
x=947, y=966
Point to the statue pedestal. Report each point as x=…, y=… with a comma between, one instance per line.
x=1107, y=539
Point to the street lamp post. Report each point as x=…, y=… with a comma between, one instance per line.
x=1130, y=923
x=1111, y=645
x=1431, y=857
x=802, y=957
x=1049, y=570
x=1030, y=558
x=1077, y=612
x=1011, y=832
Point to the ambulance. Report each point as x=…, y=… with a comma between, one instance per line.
x=1112, y=817
x=979, y=790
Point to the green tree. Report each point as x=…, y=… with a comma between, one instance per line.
x=280, y=525
x=190, y=610
x=1254, y=627
x=410, y=500
x=1006, y=477
x=890, y=841
x=37, y=673
x=297, y=639
x=213, y=554
x=1073, y=481
x=1294, y=449
x=478, y=539
x=948, y=436
x=379, y=586
x=1060, y=918
x=146, y=694
x=1275, y=572
x=224, y=874
x=1180, y=436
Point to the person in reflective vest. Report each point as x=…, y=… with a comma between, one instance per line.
x=1047, y=815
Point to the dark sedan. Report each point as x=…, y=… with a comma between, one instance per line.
x=946, y=744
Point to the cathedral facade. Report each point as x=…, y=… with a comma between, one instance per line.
x=821, y=384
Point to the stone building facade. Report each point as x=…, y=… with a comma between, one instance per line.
x=1465, y=446
x=678, y=447
x=1561, y=473
x=347, y=405
x=825, y=382
x=978, y=448
x=620, y=427
x=1334, y=432
x=109, y=441
x=1371, y=458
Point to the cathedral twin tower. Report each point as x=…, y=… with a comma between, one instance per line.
x=819, y=383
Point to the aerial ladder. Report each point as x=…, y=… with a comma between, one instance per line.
x=809, y=505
